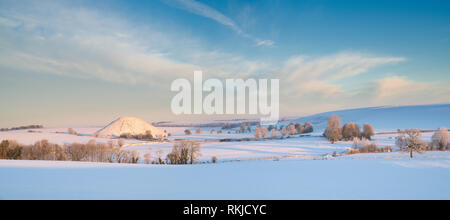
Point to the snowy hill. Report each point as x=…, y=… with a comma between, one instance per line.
x=387, y=118
x=128, y=125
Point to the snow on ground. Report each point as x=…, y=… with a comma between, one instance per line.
x=291, y=168
x=299, y=147
x=25, y=137
x=384, y=177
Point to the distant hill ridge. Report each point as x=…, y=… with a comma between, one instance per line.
x=387, y=117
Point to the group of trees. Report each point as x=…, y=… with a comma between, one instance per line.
x=410, y=140
x=245, y=128
x=146, y=136
x=186, y=152
x=44, y=150
x=291, y=129
x=22, y=128
x=335, y=132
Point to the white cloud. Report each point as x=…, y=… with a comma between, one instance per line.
x=305, y=75
x=86, y=43
x=336, y=66
x=267, y=43
x=206, y=11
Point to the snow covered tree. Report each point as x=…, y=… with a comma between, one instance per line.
x=368, y=131
x=257, y=132
x=264, y=132
x=292, y=130
x=243, y=127
x=333, y=131
x=71, y=131
x=283, y=131
x=299, y=128
x=273, y=133
x=121, y=142
x=440, y=139
x=308, y=128
x=409, y=140
x=350, y=131
x=148, y=158
x=249, y=128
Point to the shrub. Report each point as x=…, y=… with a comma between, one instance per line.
x=121, y=142
x=10, y=150
x=214, y=159
x=257, y=132
x=243, y=128
x=148, y=158
x=187, y=132
x=71, y=131
x=159, y=159
x=198, y=131
x=440, y=139
x=364, y=146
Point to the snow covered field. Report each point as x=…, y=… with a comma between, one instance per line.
x=391, y=176
x=291, y=168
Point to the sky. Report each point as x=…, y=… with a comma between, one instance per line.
x=80, y=63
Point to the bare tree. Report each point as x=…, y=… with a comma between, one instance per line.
x=333, y=131
x=183, y=153
x=368, y=131
x=440, y=139
x=409, y=140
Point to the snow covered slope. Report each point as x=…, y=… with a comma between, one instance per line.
x=128, y=125
x=387, y=118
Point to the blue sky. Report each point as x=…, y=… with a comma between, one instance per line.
x=88, y=62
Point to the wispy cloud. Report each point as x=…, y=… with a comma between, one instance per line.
x=86, y=43
x=103, y=46
x=307, y=75
x=206, y=11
